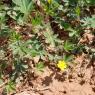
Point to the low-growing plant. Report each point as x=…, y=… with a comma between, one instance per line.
x=30, y=36
x=29, y=48
x=9, y=88
x=89, y=22
x=51, y=38
x=24, y=6
x=40, y=66
x=68, y=46
x=21, y=10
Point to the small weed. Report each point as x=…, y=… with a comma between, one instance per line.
x=40, y=66
x=48, y=29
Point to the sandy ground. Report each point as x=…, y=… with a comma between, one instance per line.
x=77, y=81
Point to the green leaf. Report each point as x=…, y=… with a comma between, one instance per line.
x=51, y=38
x=68, y=46
x=78, y=11
x=89, y=22
x=40, y=66
x=10, y=87
x=37, y=19
x=72, y=32
x=24, y=6
x=68, y=58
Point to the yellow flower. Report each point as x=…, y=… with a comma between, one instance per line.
x=49, y=1
x=62, y=65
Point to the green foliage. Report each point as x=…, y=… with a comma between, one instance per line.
x=22, y=49
x=14, y=36
x=51, y=8
x=31, y=28
x=78, y=11
x=10, y=87
x=2, y=17
x=29, y=48
x=37, y=19
x=40, y=66
x=55, y=57
x=89, y=22
x=91, y=2
x=68, y=46
x=68, y=58
x=51, y=38
x=19, y=68
x=24, y=6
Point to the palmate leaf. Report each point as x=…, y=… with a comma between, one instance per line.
x=51, y=38
x=10, y=87
x=91, y=2
x=68, y=46
x=89, y=22
x=25, y=6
